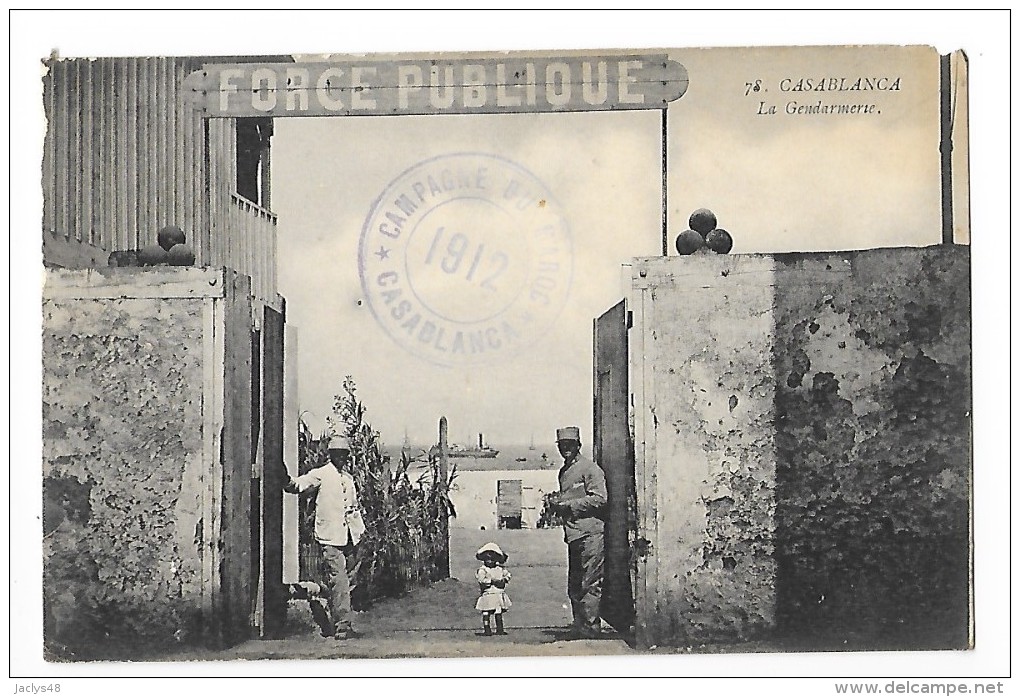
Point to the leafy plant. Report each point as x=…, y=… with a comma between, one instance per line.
x=405, y=504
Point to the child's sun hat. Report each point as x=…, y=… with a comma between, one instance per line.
x=491, y=549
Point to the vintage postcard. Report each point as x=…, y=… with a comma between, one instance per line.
x=546, y=353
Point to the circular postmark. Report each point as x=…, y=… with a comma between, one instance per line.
x=465, y=258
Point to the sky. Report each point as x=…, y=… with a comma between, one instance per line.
x=778, y=183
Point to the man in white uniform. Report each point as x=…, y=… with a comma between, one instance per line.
x=338, y=527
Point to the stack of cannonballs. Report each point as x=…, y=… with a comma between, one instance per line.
x=703, y=235
x=171, y=248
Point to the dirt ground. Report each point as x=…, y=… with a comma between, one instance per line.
x=441, y=620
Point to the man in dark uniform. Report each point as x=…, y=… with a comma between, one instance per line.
x=581, y=504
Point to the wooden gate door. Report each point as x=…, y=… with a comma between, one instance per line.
x=274, y=600
x=269, y=601
x=233, y=603
x=614, y=452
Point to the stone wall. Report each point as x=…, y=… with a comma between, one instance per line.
x=122, y=472
x=872, y=363
x=706, y=470
x=802, y=426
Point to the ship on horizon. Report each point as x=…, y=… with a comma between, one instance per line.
x=481, y=451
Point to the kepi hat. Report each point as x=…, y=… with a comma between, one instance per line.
x=493, y=549
x=339, y=443
x=568, y=433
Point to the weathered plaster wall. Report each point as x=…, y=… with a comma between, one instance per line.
x=710, y=499
x=872, y=360
x=122, y=472
x=803, y=446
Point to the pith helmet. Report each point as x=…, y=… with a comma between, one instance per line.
x=339, y=443
x=568, y=433
x=493, y=549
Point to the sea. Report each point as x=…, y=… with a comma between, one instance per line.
x=509, y=457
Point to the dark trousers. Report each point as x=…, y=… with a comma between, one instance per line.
x=585, y=558
x=336, y=561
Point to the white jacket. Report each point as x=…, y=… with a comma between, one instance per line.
x=337, y=513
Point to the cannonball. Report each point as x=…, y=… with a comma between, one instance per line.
x=703, y=221
x=181, y=255
x=719, y=241
x=151, y=255
x=689, y=241
x=124, y=257
x=169, y=236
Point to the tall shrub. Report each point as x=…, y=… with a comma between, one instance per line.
x=405, y=506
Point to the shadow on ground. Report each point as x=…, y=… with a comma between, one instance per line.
x=440, y=620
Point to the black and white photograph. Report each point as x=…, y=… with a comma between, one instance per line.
x=581, y=357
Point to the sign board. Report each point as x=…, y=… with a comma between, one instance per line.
x=391, y=87
x=508, y=498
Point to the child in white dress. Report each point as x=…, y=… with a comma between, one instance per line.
x=492, y=578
